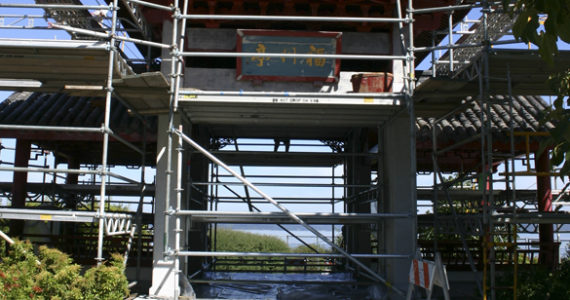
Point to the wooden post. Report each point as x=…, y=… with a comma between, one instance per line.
x=20, y=179
x=544, y=195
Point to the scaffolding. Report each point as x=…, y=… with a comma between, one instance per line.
x=82, y=67
x=497, y=220
x=468, y=59
x=109, y=49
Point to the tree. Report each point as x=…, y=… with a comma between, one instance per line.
x=556, y=26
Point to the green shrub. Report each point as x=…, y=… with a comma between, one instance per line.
x=305, y=249
x=239, y=241
x=538, y=283
x=51, y=275
x=106, y=281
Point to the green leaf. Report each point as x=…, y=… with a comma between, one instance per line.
x=520, y=25
x=547, y=47
x=557, y=156
x=564, y=29
x=551, y=6
x=540, y=5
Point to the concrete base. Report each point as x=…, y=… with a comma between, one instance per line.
x=164, y=283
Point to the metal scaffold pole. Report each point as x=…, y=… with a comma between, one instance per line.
x=173, y=76
x=510, y=182
x=411, y=77
x=178, y=225
x=177, y=71
x=488, y=152
x=108, y=96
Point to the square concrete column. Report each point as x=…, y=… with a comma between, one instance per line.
x=164, y=283
x=166, y=58
x=399, y=197
x=398, y=173
x=358, y=169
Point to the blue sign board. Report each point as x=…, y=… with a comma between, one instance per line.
x=287, y=68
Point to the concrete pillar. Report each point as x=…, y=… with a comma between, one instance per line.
x=358, y=170
x=166, y=63
x=20, y=180
x=197, y=199
x=399, y=197
x=544, y=195
x=399, y=182
x=164, y=284
x=397, y=65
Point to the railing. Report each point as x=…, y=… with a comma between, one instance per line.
x=280, y=265
x=454, y=257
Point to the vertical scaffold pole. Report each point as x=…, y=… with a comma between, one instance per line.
x=177, y=69
x=450, y=36
x=174, y=54
x=179, y=59
x=433, y=57
x=510, y=179
x=435, y=186
x=489, y=147
x=108, y=96
x=411, y=110
x=178, y=229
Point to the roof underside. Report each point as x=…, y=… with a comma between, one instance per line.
x=64, y=110
x=525, y=113
x=52, y=109
x=528, y=74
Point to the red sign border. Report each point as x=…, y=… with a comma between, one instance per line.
x=264, y=32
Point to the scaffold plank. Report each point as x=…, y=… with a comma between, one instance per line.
x=57, y=63
x=56, y=215
x=534, y=218
x=325, y=110
x=144, y=91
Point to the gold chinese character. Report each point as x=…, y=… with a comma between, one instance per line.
x=293, y=51
x=319, y=62
x=260, y=49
